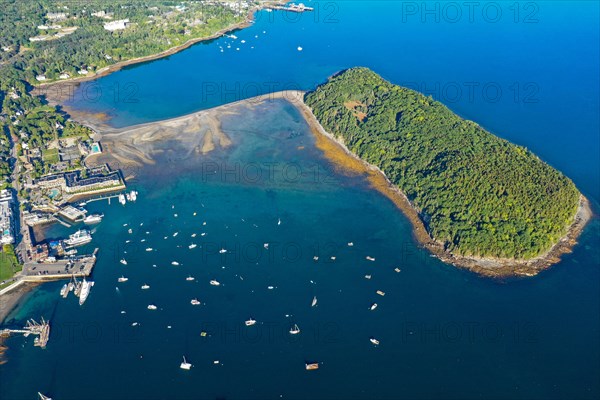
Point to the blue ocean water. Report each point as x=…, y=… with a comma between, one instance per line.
x=443, y=332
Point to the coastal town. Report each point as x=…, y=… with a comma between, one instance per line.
x=287, y=206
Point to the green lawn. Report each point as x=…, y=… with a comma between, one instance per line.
x=8, y=263
x=50, y=156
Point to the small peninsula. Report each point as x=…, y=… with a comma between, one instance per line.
x=479, y=201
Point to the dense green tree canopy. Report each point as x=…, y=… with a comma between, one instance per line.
x=476, y=193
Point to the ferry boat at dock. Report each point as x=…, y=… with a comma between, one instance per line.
x=86, y=286
x=79, y=238
x=93, y=219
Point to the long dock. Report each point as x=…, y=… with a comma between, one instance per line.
x=41, y=330
x=103, y=197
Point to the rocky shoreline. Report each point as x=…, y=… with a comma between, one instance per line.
x=336, y=150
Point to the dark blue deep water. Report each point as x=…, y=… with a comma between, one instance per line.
x=526, y=71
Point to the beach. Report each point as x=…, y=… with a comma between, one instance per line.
x=10, y=300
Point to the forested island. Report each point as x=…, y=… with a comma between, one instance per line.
x=478, y=196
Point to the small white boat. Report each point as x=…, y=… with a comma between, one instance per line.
x=250, y=322
x=214, y=282
x=174, y=263
x=332, y=258
x=193, y=235
x=295, y=330
x=374, y=341
x=152, y=307
x=266, y=246
x=43, y=397
x=149, y=249
x=123, y=261
x=367, y=276
x=189, y=278
x=145, y=287
x=314, y=301
x=64, y=291
x=175, y=234
x=222, y=251
x=129, y=230
x=370, y=258
x=278, y=221
x=269, y=287
x=185, y=365
x=397, y=269
x=122, y=279
x=299, y=48
x=134, y=324
x=379, y=292
x=195, y=302
x=350, y=244
x=373, y=306
x=192, y=246
x=316, y=258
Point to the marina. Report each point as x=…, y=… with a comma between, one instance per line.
x=335, y=224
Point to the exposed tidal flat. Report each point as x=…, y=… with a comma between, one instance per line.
x=191, y=136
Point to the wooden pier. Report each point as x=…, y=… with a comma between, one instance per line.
x=103, y=197
x=41, y=330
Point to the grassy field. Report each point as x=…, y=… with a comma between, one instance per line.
x=8, y=263
x=50, y=156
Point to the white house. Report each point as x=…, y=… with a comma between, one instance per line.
x=116, y=25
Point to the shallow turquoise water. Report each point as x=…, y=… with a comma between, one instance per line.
x=443, y=332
